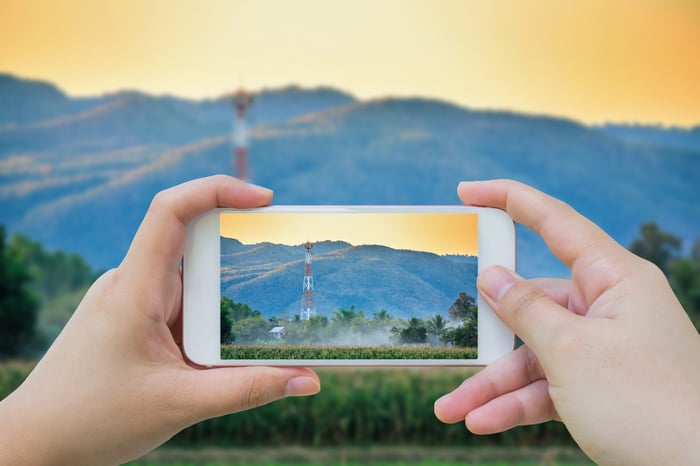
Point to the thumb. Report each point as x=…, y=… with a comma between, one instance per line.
x=220, y=391
x=524, y=307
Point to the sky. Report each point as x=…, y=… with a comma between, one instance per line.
x=590, y=60
x=437, y=233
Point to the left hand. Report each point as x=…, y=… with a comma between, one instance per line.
x=114, y=384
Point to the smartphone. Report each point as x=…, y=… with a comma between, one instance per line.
x=343, y=285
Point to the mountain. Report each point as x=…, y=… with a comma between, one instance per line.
x=656, y=135
x=268, y=277
x=87, y=193
x=25, y=101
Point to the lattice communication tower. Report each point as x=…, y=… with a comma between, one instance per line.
x=308, y=306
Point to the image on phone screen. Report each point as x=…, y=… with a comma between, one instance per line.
x=333, y=286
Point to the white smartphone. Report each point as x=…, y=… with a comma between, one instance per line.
x=343, y=285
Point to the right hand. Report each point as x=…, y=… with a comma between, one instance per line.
x=611, y=353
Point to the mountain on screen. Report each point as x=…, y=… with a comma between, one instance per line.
x=268, y=277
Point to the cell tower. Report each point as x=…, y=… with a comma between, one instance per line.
x=308, y=307
x=239, y=165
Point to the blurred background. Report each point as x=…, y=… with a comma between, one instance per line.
x=103, y=104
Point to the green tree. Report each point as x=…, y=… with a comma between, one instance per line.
x=464, y=307
x=236, y=321
x=464, y=310
x=18, y=306
x=54, y=273
x=465, y=335
x=414, y=333
x=436, y=326
x=347, y=316
x=684, y=276
x=382, y=316
x=656, y=246
x=250, y=329
x=226, y=336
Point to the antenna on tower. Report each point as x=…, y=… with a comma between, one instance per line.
x=241, y=101
x=308, y=305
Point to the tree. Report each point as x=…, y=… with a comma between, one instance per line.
x=656, y=246
x=226, y=336
x=18, y=307
x=465, y=335
x=235, y=321
x=684, y=276
x=464, y=310
x=382, y=316
x=414, y=333
x=436, y=326
x=464, y=307
x=250, y=329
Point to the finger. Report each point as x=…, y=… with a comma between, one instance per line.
x=567, y=233
x=512, y=372
x=159, y=242
x=216, y=392
x=528, y=405
x=525, y=308
x=557, y=289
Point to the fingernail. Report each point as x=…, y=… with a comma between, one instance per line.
x=495, y=281
x=438, y=403
x=302, y=386
x=261, y=189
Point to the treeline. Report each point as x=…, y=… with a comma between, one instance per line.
x=39, y=290
x=241, y=324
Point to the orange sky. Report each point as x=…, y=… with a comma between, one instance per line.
x=592, y=60
x=437, y=233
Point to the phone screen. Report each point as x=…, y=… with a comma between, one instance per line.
x=348, y=285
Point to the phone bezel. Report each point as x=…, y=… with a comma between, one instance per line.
x=201, y=287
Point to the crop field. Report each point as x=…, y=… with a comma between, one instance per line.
x=374, y=455
x=344, y=352
x=361, y=416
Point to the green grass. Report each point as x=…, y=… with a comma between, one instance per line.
x=344, y=352
x=373, y=455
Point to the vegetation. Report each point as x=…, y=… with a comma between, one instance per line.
x=18, y=306
x=39, y=290
x=464, y=309
x=355, y=407
x=344, y=352
x=348, y=334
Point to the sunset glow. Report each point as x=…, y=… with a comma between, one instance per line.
x=591, y=60
x=438, y=233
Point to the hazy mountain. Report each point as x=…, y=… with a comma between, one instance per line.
x=25, y=101
x=269, y=276
x=87, y=193
x=688, y=138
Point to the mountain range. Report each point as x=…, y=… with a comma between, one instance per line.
x=78, y=173
x=268, y=277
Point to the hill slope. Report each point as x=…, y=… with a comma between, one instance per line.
x=88, y=193
x=407, y=284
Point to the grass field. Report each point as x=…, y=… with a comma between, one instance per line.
x=345, y=352
x=376, y=455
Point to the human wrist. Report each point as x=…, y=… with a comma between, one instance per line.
x=21, y=440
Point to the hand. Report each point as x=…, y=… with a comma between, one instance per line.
x=114, y=384
x=611, y=353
